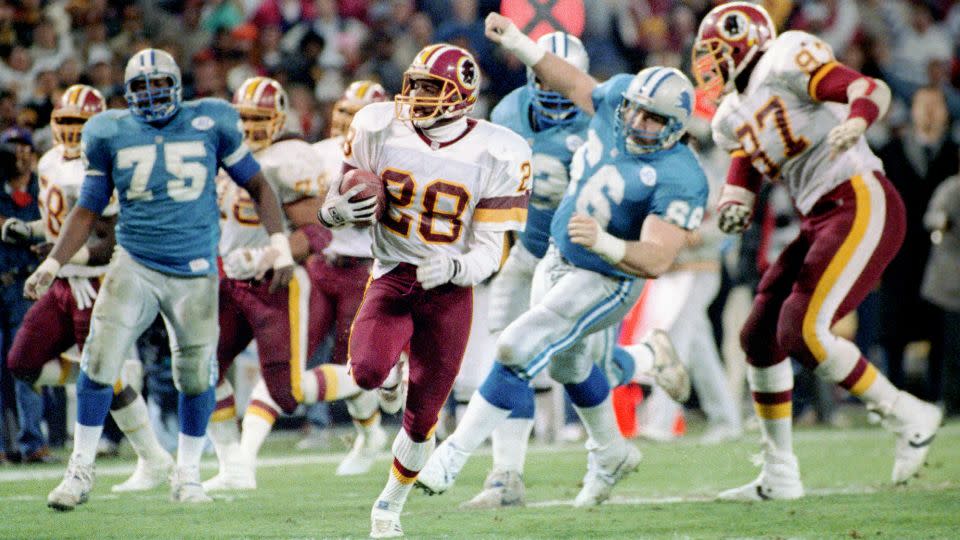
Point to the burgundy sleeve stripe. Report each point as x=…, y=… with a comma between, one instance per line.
x=504, y=203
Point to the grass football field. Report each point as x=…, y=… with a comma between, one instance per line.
x=846, y=473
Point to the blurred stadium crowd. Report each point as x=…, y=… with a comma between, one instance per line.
x=315, y=48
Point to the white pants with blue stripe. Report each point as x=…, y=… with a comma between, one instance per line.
x=129, y=300
x=571, y=323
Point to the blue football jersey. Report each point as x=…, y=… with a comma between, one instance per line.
x=620, y=189
x=552, y=149
x=164, y=177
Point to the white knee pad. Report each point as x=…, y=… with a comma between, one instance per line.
x=194, y=369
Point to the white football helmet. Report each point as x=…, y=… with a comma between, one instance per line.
x=551, y=108
x=662, y=91
x=152, y=85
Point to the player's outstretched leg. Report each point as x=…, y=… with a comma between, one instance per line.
x=504, y=483
x=371, y=438
x=234, y=473
x=154, y=464
x=656, y=358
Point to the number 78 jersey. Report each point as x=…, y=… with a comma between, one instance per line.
x=779, y=123
x=438, y=192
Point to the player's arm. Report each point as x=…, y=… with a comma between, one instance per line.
x=660, y=243
x=102, y=240
x=18, y=231
x=307, y=236
x=554, y=71
x=484, y=251
x=738, y=194
x=268, y=209
x=868, y=98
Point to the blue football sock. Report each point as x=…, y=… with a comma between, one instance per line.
x=195, y=411
x=504, y=389
x=93, y=401
x=591, y=392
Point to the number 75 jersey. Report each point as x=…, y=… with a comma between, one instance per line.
x=779, y=123
x=164, y=177
x=438, y=193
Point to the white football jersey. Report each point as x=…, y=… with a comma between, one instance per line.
x=783, y=128
x=293, y=170
x=60, y=183
x=438, y=191
x=347, y=241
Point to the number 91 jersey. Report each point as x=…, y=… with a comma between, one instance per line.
x=779, y=123
x=438, y=192
x=619, y=190
x=164, y=177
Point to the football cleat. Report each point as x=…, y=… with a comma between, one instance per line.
x=779, y=480
x=185, y=486
x=149, y=474
x=75, y=488
x=364, y=452
x=384, y=522
x=915, y=423
x=604, y=470
x=500, y=489
x=234, y=475
x=668, y=371
x=393, y=392
x=442, y=468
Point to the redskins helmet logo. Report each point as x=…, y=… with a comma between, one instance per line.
x=734, y=25
x=467, y=73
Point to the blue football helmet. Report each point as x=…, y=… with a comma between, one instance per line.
x=152, y=85
x=661, y=91
x=552, y=108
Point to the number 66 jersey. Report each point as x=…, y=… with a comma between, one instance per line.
x=438, y=192
x=779, y=123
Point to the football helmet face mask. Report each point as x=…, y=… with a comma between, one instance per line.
x=662, y=94
x=442, y=83
x=551, y=108
x=730, y=37
x=356, y=96
x=262, y=104
x=152, y=85
x=77, y=104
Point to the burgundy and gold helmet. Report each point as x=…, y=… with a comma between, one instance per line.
x=262, y=104
x=457, y=73
x=77, y=104
x=354, y=98
x=729, y=38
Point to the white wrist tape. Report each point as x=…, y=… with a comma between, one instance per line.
x=281, y=243
x=37, y=229
x=81, y=257
x=50, y=266
x=524, y=48
x=611, y=248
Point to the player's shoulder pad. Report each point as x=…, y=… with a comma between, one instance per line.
x=105, y=124
x=505, y=145
x=288, y=150
x=787, y=46
x=508, y=107
x=49, y=158
x=374, y=117
x=681, y=169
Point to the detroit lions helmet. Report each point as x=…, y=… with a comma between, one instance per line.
x=661, y=91
x=551, y=108
x=152, y=85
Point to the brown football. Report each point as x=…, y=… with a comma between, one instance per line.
x=372, y=187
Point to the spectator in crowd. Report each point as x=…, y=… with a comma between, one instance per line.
x=917, y=42
x=917, y=161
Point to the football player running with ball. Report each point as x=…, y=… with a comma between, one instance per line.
x=455, y=186
x=61, y=318
x=635, y=193
x=793, y=113
x=555, y=128
x=161, y=155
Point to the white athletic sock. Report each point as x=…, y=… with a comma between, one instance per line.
x=408, y=458
x=257, y=421
x=335, y=381
x=134, y=421
x=642, y=357
x=772, y=389
x=56, y=372
x=510, y=440
x=85, y=440
x=189, y=450
x=478, y=423
x=600, y=422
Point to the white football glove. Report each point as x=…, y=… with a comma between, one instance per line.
x=249, y=263
x=501, y=30
x=845, y=135
x=40, y=280
x=735, y=209
x=17, y=231
x=281, y=244
x=83, y=292
x=337, y=210
x=436, y=271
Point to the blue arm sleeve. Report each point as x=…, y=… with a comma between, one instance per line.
x=681, y=195
x=95, y=193
x=610, y=91
x=95, y=150
x=233, y=155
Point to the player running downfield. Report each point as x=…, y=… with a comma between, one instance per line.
x=793, y=113
x=635, y=192
x=455, y=186
x=61, y=319
x=161, y=155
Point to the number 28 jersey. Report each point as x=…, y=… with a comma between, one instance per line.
x=165, y=180
x=438, y=192
x=619, y=190
x=779, y=123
